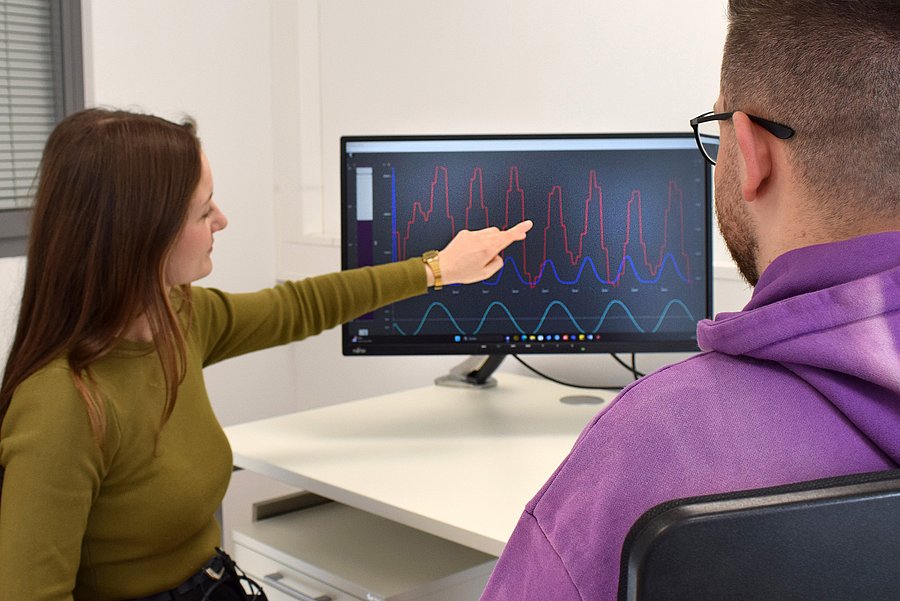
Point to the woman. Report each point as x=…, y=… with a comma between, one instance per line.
x=114, y=461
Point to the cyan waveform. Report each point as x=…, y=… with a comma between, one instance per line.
x=584, y=264
x=441, y=306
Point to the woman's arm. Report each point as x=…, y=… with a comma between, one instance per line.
x=232, y=324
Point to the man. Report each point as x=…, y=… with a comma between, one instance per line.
x=803, y=383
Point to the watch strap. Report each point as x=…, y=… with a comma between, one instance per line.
x=431, y=259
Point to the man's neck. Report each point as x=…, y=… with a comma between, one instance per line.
x=799, y=233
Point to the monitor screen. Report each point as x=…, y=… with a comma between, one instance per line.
x=618, y=260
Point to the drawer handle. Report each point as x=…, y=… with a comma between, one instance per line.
x=274, y=580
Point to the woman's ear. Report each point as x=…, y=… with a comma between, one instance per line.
x=756, y=158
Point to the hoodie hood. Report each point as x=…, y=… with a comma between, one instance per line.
x=830, y=313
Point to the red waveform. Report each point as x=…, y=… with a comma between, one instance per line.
x=426, y=215
x=476, y=175
x=515, y=202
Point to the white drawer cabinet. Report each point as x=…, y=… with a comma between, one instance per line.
x=289, y=584
x=332, y=552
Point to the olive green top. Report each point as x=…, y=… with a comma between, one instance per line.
x=132, y=518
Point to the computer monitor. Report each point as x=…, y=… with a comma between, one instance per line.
x=618, y=260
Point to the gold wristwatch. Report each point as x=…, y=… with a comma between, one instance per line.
x=430, y=258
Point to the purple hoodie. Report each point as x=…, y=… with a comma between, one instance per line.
x=803, y=383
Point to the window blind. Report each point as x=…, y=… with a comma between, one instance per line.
x=29, y=105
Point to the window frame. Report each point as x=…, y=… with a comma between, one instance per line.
x=68, y=80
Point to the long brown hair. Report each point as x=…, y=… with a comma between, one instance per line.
x=113, y=192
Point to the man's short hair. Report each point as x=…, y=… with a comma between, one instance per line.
x=830, y=69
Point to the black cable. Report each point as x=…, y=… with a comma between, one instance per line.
x=552, y=379
x=632, y=368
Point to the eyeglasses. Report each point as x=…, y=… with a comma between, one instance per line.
x=706, y=131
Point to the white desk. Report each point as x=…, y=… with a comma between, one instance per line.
x=460, y=464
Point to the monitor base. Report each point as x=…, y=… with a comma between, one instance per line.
x=474, y=372
x=455, y=381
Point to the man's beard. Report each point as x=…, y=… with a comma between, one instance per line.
x=736, y=227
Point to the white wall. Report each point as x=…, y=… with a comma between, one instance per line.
x=212, y=60
x=470, y=66
x=12, y=276
x=274, y=83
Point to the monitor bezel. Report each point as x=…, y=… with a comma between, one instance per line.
x=547, y=347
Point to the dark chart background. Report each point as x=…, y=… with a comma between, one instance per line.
x=617, y=258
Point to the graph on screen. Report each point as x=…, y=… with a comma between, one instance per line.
x=618, y=252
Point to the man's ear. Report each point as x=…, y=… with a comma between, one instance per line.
x=755, y=155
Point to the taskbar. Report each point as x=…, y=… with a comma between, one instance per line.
x=495, y=344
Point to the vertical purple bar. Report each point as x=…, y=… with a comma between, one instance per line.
x=364, y=255
x=365, y=244
x=364, y=214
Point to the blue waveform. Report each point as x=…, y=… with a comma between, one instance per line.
x=587, y=261
x=441, y=306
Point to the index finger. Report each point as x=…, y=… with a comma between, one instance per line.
x=513, y=234
x=520, y=229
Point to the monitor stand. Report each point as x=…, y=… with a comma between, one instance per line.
x=474, y=372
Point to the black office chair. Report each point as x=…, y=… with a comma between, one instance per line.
x=836, y=539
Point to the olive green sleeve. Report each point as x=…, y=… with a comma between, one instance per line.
x=232, y=324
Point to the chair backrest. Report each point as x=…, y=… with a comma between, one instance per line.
x=836, y=539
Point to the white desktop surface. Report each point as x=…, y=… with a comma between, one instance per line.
x=457, y=463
